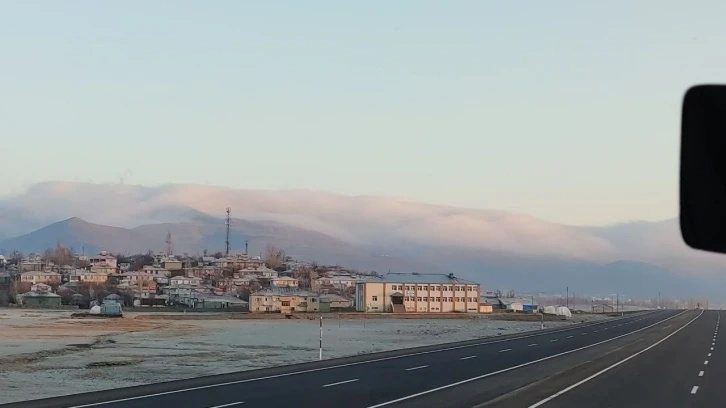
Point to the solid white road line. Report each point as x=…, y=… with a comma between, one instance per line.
x=466, y=358
x=694, y=389
x=228, y=405
x=313, y=370
x=341, y=382
x=700, y=373
x=479, y=377
x=505, y=350
x=416, y=368
x=577, y=384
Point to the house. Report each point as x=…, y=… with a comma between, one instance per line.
x=418, y=293
x=134, y=277
x=82, y=275
x=103, y=269
x=284, y=281
x=172, y=264
x=40, y=277
x=40, y=295
x=156, y=271
x=31, y=265
x=336, y=302
x=221, y=302
x=239, y=261
x=103, y=260
x=284, y=300
x=42, y=299
x=184, y=281
x=203, y=272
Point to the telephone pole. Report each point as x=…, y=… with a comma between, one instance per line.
x=567, y=297
x=228, y=223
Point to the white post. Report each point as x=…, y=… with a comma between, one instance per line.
x=321, y=338
x=542, y=314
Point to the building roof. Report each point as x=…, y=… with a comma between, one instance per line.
x=415, y=277
x=286, y=278
x=334, y=298
x=40, y=294
x=284, y=291
x=223, y=299
x=40, y=273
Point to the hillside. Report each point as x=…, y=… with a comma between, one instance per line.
x=498, y=248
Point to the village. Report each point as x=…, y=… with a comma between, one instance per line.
x=268, y=283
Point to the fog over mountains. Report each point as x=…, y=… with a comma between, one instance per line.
x=496, y=248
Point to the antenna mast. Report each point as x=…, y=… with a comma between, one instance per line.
x=168, y=244
x=229, y=211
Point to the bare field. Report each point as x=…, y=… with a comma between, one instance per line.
x=46, y=353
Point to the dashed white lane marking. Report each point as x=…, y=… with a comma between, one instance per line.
x=595, y=331
x=531, y=345
x=584, y=333
x=577, y=384
x=466, y=358
x=604, y=329
x=504, y=370
x=700, y=373
x=711, y=348
x=505, y=350
x=705, y=362
x=553, y=340
x=228, y=405
x=569, y=337
x=341, y=382
x=694, y=389
x=709, y=355
x=416, y=368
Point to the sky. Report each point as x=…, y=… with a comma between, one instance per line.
x=567, y=110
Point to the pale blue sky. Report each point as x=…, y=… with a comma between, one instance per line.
x=564, y=110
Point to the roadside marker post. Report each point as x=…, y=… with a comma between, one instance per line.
x=321, y=338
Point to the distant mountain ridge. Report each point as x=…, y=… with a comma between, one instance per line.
x=494, y=247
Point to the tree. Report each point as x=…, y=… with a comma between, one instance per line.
x=218, y=255
x=510, y=293
x=273, y=256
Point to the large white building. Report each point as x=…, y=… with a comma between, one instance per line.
x=417, y=293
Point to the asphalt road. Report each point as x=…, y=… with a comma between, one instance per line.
x=516, y=370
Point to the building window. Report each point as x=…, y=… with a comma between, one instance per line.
x=438, y=299
x=425, y=299
x=375, y=298
x=425, y=288
x=286, y=303
x=420, y=288
x=408, y=287
x=419, y=298
x=438, y=288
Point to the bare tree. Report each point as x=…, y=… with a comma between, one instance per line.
x=273, y=256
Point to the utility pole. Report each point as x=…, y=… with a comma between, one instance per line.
x=617, y=303
x=659, y=300
x=574, y=302
x=567, y=297
x=229, y=211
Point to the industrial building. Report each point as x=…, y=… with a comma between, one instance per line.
x=417, y=293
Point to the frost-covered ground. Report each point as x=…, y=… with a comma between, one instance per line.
x=45, y=354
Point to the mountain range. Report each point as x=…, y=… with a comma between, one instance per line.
x=496, y=248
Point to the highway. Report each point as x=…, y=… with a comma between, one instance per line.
x=658, y=358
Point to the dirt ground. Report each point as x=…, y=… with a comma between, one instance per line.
x=47, y=353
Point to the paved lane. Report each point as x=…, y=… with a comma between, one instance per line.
x=379, y=379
